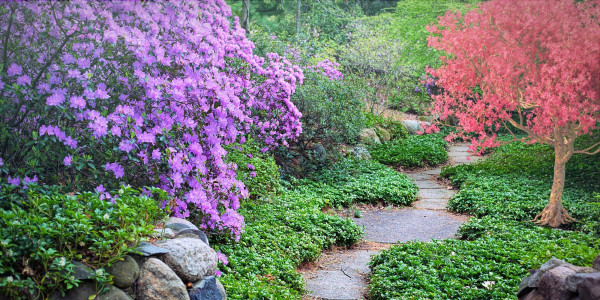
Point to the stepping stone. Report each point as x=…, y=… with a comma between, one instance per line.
x=435, y=204
x=458, y=149
x=435, y=171
x=344, y=278
x=419, y=176
x=401, y=226
x=428, y=184
x=436, y=193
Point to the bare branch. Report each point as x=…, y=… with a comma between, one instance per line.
x=588, y=150
x=5, y=41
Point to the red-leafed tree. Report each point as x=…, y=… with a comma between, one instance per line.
x=533, y=65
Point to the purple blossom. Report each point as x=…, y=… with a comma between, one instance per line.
x=27, y=181
x=156, y=154
x=116, y=169
x=14, y=69
x=24, y=80
x=14, y=181
x=221, y=257
x=55, y=99
x=1, y=162
x=100, y=189
x=77, y=102
x=67, y=160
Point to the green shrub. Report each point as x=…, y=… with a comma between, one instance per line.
x=499, y=256
x=41, y=234
x=257, y=170
x=414, y=151
x=279, y=235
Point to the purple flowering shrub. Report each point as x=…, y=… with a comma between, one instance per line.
x=95, y=94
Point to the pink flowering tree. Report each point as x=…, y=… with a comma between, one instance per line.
x=531, y=66
x=140, y=93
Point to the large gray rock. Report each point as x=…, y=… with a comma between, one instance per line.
x=114, y=293
x=369, y=136
x=414, y=126
x=124, y=272
x=597, y=262
x=383, y=134
x=163, y=233
x=207, y=289
x=524, y=287
x=536, y=275
x=173, y=220
x=190, y=258
x=552, y=285
x=87, y=289
x=147, y=249
x=361, y=153
x=158, y=281
x=81, y=271
x=589, y=286
x=533, y=295
x=320, y=152
x=192, y=233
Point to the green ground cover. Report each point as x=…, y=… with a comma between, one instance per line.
x=498, y=246
x=414, y=151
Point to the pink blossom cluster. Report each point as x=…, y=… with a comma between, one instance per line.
x=163, y=85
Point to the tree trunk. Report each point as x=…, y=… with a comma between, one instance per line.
x=297, y=17
x=554, y=214
x=246, y=15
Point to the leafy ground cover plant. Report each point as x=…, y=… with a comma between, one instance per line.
x=514, y=184
x=41, y=235
x=414, y=151
x=351, y=181
x=490, y=265
x=497, y=247
x=280, y=234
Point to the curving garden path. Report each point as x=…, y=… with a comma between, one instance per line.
x=344, y=274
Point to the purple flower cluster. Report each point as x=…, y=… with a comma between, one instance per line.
x=167, y=84
x=328, y=68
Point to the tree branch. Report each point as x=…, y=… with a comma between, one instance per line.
x=587, y=150
x=5, y=41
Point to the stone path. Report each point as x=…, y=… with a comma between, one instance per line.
x=343, y=275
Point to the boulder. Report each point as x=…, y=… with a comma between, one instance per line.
x=383, y=134
x=533, y=295
x=190, y=258
x=524, y=287
x=177, y=227
x=192, y=233
x=320, y=152
x=81, y=292
x=361, y=153
x=147, y=249
x=536, y=275
x=207, y=289
x=158, y=281
x=173, y=220
x=587, y=285
x=552, y=284
x=369, y=136
x=88, y=289
x=414, y=126
x=81, y=271
x=124, y=272
x=163, y=233
x=114, y=293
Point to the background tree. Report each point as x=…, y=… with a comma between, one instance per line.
x=528, y=66
x=245, y=19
